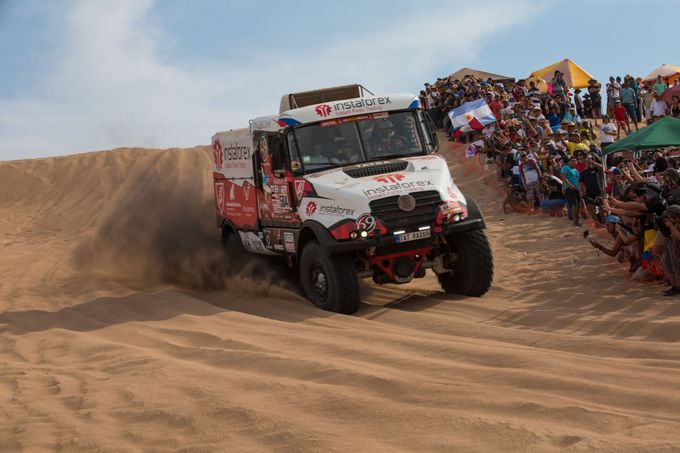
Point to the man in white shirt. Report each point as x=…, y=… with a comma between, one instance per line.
x=659, y=108
x=613, y=95
x=608, y=132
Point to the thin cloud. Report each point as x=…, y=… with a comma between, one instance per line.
x=113, y=87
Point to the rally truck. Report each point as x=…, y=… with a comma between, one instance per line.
x=345, y=189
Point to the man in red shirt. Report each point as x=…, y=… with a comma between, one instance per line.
x=621, y=117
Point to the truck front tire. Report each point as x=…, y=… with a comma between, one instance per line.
x=329, y=283
x=473, y=270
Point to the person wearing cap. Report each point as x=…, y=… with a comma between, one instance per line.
x=612, y=224
x=595, y=99
x=574, y=144
x=670, y=256
x=578, y=102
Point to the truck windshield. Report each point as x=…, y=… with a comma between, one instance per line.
x=356, y=139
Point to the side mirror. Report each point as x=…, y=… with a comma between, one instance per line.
x=429, y=131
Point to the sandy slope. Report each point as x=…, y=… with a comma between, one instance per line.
x=122, y=328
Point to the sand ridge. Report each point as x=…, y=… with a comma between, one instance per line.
x=123, y=328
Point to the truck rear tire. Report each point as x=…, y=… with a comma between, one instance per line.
x=329, y=283
x=233, y=247
x=473, y=273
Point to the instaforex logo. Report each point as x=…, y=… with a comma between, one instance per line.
x=361, y=103
x=336, y=210
x=355, y=106
x=389, y=188
x=323, y=110
x=217, y=153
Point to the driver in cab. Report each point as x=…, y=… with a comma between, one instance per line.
x=385, y=141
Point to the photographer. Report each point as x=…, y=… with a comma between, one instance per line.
x=591, y=187
x=624, y=239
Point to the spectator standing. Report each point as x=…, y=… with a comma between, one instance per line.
x=660, y=86
x=613, y=95
x=647, y=97
x=578, y=102
x=531, y=180
x=570, y=179
x=559, y=86
x=608, y=133
x=628, y=96
x=595, y=98
x=621, y=117
x=591, y=184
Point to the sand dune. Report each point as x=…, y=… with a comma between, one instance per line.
x=122, y=327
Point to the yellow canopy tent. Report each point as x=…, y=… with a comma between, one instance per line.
x=574, y=75
x=665, y=71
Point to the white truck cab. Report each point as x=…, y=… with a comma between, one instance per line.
x=347, y=189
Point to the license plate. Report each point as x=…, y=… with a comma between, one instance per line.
x=406, y=237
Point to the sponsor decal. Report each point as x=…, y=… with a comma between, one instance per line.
x=366, y=222
x=323, y=110
x=217, y=154
x=219, y=189
x=231, y=192
x=289, y=242
x=389, y=178
x=264, y=149
x=361, y=105
x=246, y=190
x=311, y=208
x=396, y=187
x=299, y=189
x=335, y=210
x=234, y=151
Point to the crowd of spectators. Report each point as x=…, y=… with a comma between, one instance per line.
x=548, y=149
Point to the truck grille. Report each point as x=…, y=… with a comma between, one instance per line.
x=388, y=167
x=425, y=212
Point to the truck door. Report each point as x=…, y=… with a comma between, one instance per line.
x=277, y=205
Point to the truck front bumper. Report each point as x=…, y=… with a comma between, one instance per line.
x=336, y=247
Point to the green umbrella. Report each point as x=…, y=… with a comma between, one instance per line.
x=662, y=133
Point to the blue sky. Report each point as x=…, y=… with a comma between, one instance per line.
x=98, y=74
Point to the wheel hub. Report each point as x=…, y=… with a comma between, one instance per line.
x=319, y=281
